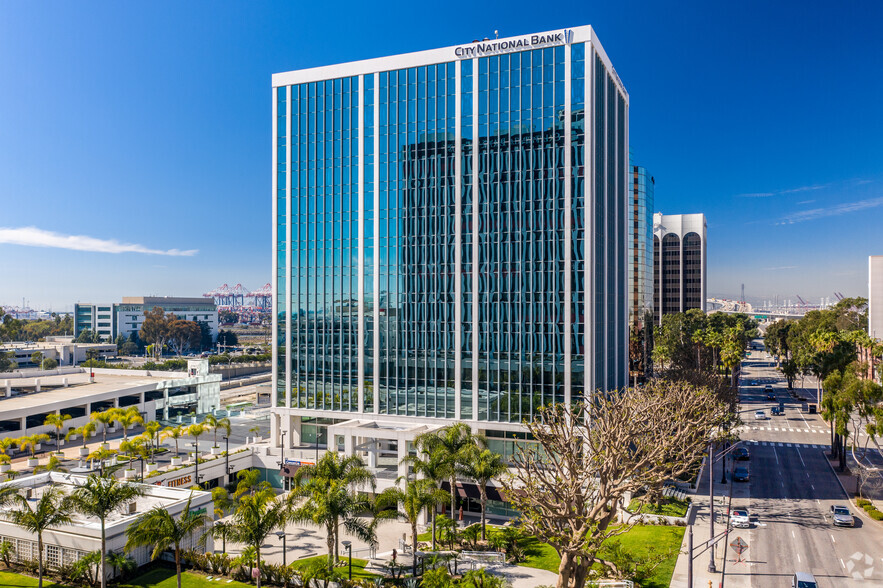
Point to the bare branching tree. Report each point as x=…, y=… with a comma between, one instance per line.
x=569, y=488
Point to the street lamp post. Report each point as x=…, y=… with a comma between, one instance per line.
x=281, y=535
x=349, y=549
x=141, y=459
x=196, y=458
x=690, y=557
x=711, y=567
x=227, y=459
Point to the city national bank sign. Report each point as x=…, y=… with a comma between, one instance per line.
x=522, y=44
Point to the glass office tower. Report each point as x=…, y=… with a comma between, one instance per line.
x=640, y=269
x=450, y=235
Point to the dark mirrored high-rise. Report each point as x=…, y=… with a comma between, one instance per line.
x=450, y=236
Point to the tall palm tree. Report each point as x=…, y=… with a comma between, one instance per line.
x=52, y=509
x=128, y=418
x=173, y=433
x=152, y=429
x=99, y=497
x=482, y=466
x=214, y=423
x=257, y=516
x=412, y=499
x=107, y=418
x=157, y=527
x=57, y=421
x=329, y=488
x=431, y=465
x=454, y=443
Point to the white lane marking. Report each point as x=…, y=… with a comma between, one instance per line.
x=832, y=539
x=776, y=455
x=798, y=556
x=841, y=563
x=801, y=459
x=819, y=501
x=783, y=484
x=792, y=534
x=811, y=486
x=790, y=430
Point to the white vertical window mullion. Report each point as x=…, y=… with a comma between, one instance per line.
x=568, y=228
x=376, y=250
x=360, y=288
x=458, y=236
x=590, y=232
x=288, y=280
x=475, y=221
x=274, y=287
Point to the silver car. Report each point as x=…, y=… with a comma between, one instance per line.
x=841, y=516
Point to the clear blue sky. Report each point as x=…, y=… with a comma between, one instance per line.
x=146, y=127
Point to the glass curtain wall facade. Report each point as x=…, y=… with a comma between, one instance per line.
x=454, y=243
x=640, y=270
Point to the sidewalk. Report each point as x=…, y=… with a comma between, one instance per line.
x=699, y=517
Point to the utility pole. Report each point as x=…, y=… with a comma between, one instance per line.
x=711, y=566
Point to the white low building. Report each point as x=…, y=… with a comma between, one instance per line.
x=26, y=401
x=69, y=543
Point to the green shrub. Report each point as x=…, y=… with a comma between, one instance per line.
x=862, y=502
x=875, y=514
x=869, y=507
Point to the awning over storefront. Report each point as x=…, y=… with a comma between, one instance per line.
x=469, y=490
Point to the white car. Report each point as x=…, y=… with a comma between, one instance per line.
x=760, y=415
x=739, y=518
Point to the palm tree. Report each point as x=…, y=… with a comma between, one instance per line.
x=32, y=441
x=257, y=516
x=453, y=442
x=152, y=429
x=52, y=509
x=433, y=466
x=128, y=418
x=54, y=465
x=173, y=433
x=7, y=443
x=121, y=562
x=159, y=528
x=107, y=418
x=99, y=497
x=195, y=431
x=482, y=466
x=249, y=482
x=416, y=496
x=85, y=431
x=222, y=529
x=57, y=421
x=331, y=499
x=214, y=423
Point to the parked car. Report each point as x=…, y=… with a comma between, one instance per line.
x=759, y=415
x=776, y=411
x=768, y=387
x=740, y=475
x=741, y=454
x=803, y=580
x=739, y=518
x=841, y=516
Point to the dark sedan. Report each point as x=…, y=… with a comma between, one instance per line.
x=741, y=454
x=740, y=475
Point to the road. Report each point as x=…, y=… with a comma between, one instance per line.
x=789, y=496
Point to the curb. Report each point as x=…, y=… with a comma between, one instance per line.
x=851, y=500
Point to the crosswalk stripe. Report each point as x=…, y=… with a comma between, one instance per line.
x=788, y=444
x=764, y=443
x=779, y=444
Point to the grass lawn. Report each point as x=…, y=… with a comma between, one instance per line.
x=637, y=542
x=670, y=507
x=358, y=565
x=155, y=578
x=18, y=581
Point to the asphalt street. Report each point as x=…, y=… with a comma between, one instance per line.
x=789, y=495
